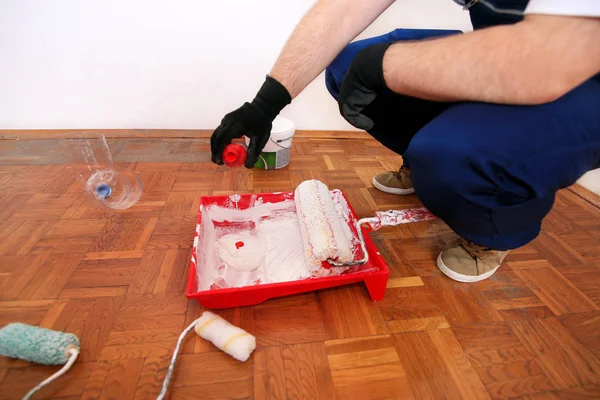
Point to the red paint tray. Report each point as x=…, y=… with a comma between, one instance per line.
x=374, y=273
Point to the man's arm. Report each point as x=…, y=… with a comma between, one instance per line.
x=323, y=32
x=532, y=62
x=319, y=37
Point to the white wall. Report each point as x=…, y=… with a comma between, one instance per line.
x=162, y=64
x=165, y=64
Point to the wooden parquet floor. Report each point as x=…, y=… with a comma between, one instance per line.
x=117, y=280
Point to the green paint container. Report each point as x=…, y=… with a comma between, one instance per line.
x=277, y=151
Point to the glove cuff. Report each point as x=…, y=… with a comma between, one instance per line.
x=271, y=98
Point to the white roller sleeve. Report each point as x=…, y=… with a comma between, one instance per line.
x=325, y=233
x=232, y=340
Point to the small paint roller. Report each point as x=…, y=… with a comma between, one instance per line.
x=234, y=341
x=226, y=337
x=39, y=345
x=325, y=233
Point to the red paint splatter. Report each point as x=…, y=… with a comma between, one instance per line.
x=239, y=244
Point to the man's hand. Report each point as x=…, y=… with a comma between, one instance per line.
x=248, y=121
x=318, y=38
x=253, y=120
x=532, y=62
x=363, y=82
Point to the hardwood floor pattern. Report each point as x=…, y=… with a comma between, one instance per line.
x=531, y=331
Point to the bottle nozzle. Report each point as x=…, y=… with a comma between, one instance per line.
x=234, y=155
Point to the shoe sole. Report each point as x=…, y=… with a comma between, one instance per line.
x=392, y=190
x=460, y=277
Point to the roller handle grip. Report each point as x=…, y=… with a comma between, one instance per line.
x=397, y=217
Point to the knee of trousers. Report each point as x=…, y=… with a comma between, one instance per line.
x=330, y=83
x=336, y=71
x=474, y=195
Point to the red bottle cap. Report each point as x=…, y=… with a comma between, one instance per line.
x=234, y=155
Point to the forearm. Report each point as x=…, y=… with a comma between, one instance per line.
x=320, y=36
x=532, y=62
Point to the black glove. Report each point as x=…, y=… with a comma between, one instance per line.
x=253, y=120
x=362, y=84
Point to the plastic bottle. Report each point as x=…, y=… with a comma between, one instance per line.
x=104, y=184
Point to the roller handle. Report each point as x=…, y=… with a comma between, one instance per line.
x=397, y=217
x=384, y=218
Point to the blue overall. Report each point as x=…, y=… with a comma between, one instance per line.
x=489, y=171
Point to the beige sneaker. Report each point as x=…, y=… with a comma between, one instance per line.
x=394, y=182
x=469, y=262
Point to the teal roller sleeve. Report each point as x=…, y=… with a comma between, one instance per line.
x=35, y=344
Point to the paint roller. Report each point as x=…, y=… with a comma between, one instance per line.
x=39, y=345
x=228, y=338
x=327, y=235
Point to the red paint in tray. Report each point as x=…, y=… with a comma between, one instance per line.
x=374, y=273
